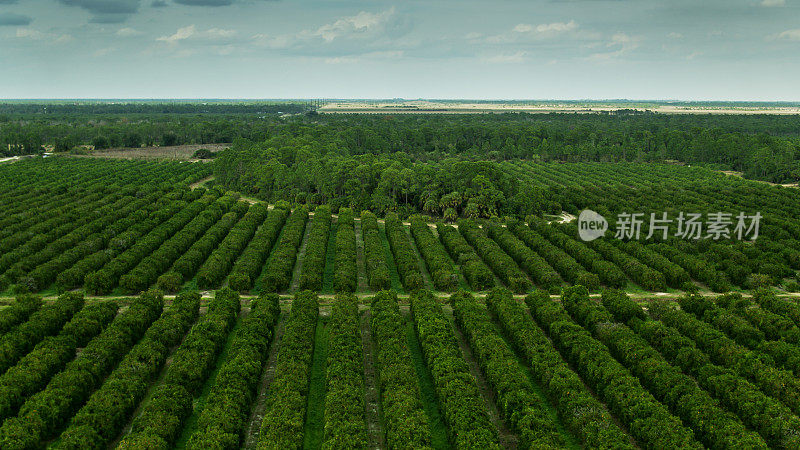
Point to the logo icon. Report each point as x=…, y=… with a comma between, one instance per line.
x=591, y=225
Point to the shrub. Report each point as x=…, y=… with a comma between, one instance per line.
x=316, y=250
x=460, y=400
x=477, y=273
x=406, y=423
x=281, y=263
x=374, y=253
x=404, y=255
x=284, y=416
x=435, y=256
x=345, y=268
x=224, y=418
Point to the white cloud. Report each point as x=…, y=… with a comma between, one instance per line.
x=675, y=35
x=506, y=58
x=127, y=32
x=523, y=28
x=180, y=35
x=693, y=55
x=624, y=43
x=350, y=59
x=35, y=35
x=29, y=33
x=773, y=3
x=788, y=35
x=360, y=23
x=342, y=60
x=220, y=33
x=102, y=52
x=358, y=34
x=555, y=27
x=526, y=31
x=191, y=32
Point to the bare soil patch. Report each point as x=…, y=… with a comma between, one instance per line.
x=176, y=153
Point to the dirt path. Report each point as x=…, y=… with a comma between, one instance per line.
x=257, y=412
x=202, y=182
x=330, y=257
x=423, y=268
x=294, y=286
x=199, y=402
x=363, y=286
x=153, y=385
x=507, y=438
x=314, y=427
x=372, y=403
x=428, y=397
x=388, y=258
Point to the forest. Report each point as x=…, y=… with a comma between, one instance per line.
x=763, y=147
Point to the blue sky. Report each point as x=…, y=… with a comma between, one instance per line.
x=501, y=49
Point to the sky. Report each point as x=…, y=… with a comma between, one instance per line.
x=494, y=49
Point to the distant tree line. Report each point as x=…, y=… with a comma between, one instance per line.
x=447, y=165
x=765, y=147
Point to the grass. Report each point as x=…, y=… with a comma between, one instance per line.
x=257, y=284
x=314, y=429
x=570, y=440
x=190, y=426
x=330, y=260
x=389, y=258
x=430, y=403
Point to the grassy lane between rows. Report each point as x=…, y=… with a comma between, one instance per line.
x=430, y=403
x=313, y=434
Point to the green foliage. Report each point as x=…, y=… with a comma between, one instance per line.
x=106, y=412
x=316, y=249
x=580, y=411
x=647, y=419
x=46, y=321
x=224, y=418
x=404, y=255
x=104, y=280
x=345, y=277
x=502, y=264
x=251, y=261
x=461, y=403
x=163, y=416
x=284, y=416
x=189, y=263
x=280, y=265
x=643, y=275
x=724, y=351
x=517, y=401
x=374, y=255
x=219, y=264
x=19, y=311
x=758, y=411
x=435, y=256
x=35, y=369
x=345, y=422
x=169, y=282
x=712, y=425
x=540, y=271
x=47, y=411
x=478, y=274
x=406, y=423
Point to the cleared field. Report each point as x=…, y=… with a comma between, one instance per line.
x=175, y=153
x=443, y=107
